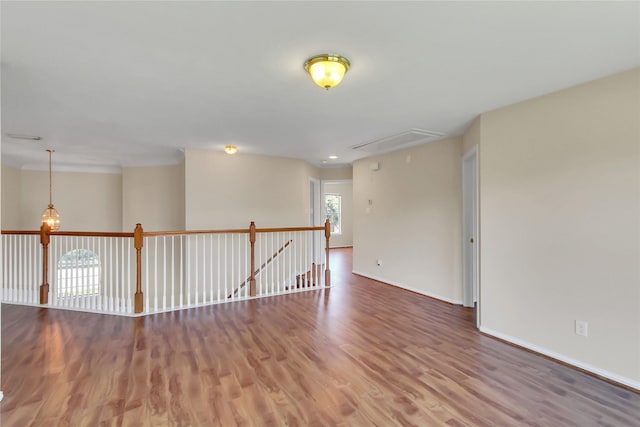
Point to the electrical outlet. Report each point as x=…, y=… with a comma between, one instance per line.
x=582, y=328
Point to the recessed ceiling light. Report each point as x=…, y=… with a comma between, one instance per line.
x=333, y=157
x=324, y=161
x=231, y=149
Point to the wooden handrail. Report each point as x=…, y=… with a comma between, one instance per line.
x=262, y=267
x=71, y=233
x=91, y=234
x=230, y=231
x=187, y=232
x=163, y=233
x=281, y=230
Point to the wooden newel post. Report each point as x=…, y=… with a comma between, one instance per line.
x=327, y=235
x=252, y=240
x=138, y=243
x=44, y=241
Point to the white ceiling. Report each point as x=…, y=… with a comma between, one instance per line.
x=112, y=84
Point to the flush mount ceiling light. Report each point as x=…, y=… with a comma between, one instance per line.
x=231, y=149
x=327, y=70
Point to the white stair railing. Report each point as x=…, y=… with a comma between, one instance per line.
x=21, y=267
x=127, y=273
x=92, y=273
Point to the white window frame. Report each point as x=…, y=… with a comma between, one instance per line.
x=339, y=196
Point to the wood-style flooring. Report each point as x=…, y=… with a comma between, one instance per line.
x=365, y=354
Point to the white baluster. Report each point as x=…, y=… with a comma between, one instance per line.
x=105, y=271
x=270, y=255
x=5, y=268
x=247, y=265
x=164, y=272
x=181, y=255
x=242, y=291
x=173, y=276
x=20, y=265
x=226, y=274
x=218, y=266
x=130, y=290
x=211, y=268
x=5, y=256
x=189, y=270
x=261, y=290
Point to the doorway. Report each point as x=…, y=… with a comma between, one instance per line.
x=315, y=208
x=470, y=235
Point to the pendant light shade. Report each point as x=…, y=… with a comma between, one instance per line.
x=50, y=216
x=327, y=70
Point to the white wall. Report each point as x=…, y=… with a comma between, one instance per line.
x=345, y=190
x=560, y=224
x=11, y=197
x=413, y=223
x=85, y=201
x=223, y=191
x=154, y=197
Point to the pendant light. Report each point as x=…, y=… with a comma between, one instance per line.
x=51, y=216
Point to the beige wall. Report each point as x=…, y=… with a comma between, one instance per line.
x=269, y=190
x=336, y=173
x=11, y=197
x=85, y=201
x=345, y=190
x=560, y=224
x=223, y=191
x=471, y=137
x=413, y=223
x=154, y=197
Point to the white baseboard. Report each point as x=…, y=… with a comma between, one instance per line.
x=408, y=288
x=601, y=372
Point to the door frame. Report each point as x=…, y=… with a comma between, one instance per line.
x=315, y=202
x=315, y=210
x=470, y=230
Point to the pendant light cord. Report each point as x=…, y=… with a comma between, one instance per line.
x=50, y=184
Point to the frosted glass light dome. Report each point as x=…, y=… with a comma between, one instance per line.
x=327, y=71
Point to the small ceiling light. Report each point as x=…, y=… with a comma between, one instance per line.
x=231, y=149
x=333, y=157
x=327, y=70
x=50, y=216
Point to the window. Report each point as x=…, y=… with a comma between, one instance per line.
x=78, y=274
x=333, y=212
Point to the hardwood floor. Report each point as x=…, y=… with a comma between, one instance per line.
x=365, y=354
